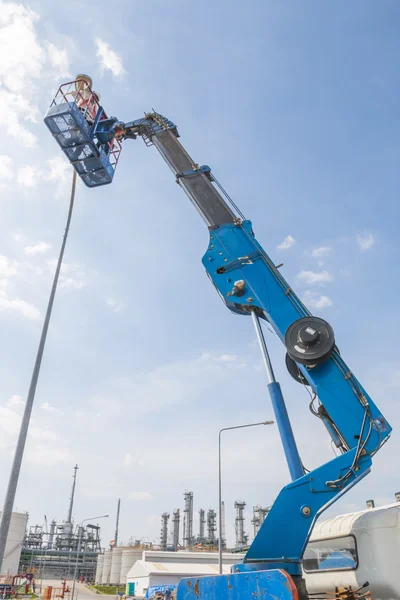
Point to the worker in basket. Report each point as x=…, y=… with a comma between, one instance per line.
x=86, y=99
x=88, y=102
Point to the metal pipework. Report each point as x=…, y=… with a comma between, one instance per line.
x=78, y=549
x=278, y=404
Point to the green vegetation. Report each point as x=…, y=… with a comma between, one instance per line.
x=109, y=590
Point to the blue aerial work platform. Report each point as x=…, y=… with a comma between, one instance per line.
x=249, y=283
x=74, y=118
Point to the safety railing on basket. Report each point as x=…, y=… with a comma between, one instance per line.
x=79, y=92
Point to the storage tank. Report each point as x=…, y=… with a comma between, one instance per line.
x=105, y=575
x=15, y=538
x=129, y=557
x=99, y=568
x=115, y=571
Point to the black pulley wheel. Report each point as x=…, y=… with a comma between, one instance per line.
x=294, y=370
x=310, y=341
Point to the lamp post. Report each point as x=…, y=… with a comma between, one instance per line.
x=23, y=432
x=220, y=484
x=78, y=549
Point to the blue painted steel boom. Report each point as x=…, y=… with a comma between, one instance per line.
x=233, y=255
x=248, y=281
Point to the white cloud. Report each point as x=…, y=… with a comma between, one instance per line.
x=18, y=236
x=140, y=496
x=10, y=421
x=48, y=455
x=24, y=61
x=109, y=60
x=6, y=171
x=72, y=276
x=39, y=433
x=72, y=283
x=311, y=277
x=57, y=57
x=48, y=407
x=173, y=384
x=115, y=305
x=38, y=249
x=17, y=305
x=288, y=242
x=322, y=251
x=28, y=176
x=58, y=169
x=8, y=268
x=365, y=240
x=130, y=460
x=45, y=444
x=15, y=400
x=127, y=460
x=317, y=301
x=227, y=358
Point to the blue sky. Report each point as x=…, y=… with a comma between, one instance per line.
x=294, y=106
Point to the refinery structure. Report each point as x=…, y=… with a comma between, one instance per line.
x=58, y=549
x=206, y=536
x=54, y=550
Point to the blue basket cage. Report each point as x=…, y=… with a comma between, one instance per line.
x=73, y=118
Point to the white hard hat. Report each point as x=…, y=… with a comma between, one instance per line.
x=83, y=81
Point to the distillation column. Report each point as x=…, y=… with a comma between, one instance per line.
x=241, y=537
x=188, y=520
x=164, y=531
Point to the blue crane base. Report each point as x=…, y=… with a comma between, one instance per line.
x=75, y=137
x=273, y=584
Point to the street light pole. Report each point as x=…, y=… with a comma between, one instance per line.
x=220, y=484
x=23, y=432
x=78, y=549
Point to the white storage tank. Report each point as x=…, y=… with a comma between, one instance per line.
x=105, y=576
x=129, y=557
x=115, y=571
x=15, y=538
x=99, y=568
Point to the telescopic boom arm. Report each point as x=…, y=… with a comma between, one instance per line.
x=249, y=283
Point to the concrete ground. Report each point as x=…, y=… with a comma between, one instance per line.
x=82, y=592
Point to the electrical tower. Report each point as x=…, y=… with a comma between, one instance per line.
x=241, y=537
x=164, y=531
x=188, y=520
x=211, y=525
